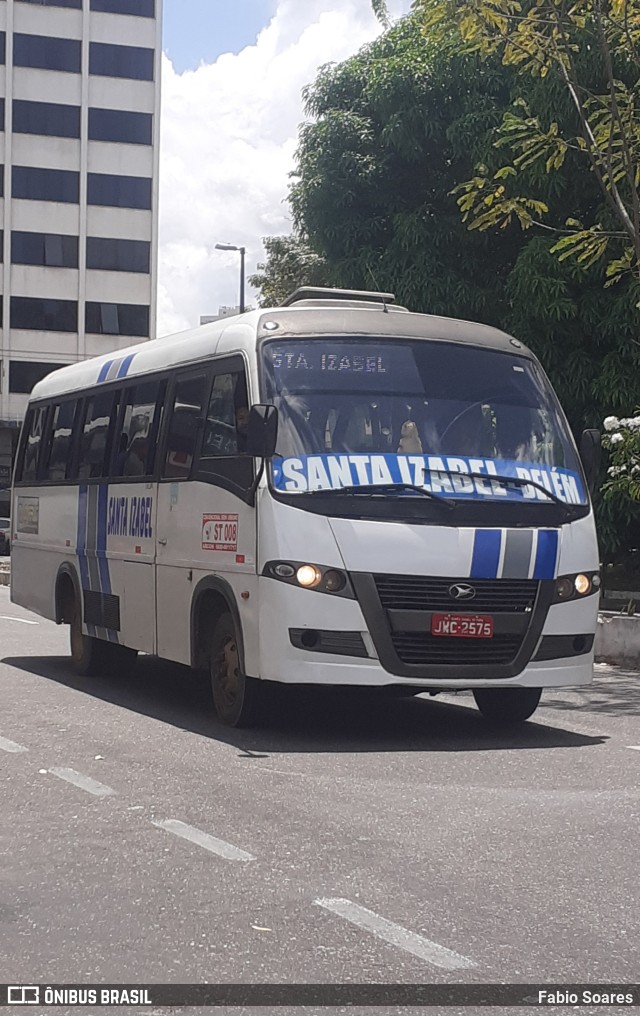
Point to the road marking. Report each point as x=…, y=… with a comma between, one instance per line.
x=11, y=746
x=396, y=935
x=22, y=620
x=211, y=843
x=83, y=782
x=634, y=747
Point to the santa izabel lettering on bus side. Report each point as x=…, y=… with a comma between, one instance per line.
x=451, y=475
x=130, y=516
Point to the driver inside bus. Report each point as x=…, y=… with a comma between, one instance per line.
x=242, y=427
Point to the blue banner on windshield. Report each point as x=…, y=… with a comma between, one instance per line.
x=439, y=474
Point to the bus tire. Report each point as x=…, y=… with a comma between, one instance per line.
x=506, y=707
x=88, y=655
x=234, y=694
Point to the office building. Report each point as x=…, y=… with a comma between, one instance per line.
x=79, y=115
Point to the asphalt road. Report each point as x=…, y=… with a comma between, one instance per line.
x=346, y=840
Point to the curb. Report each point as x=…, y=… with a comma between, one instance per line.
x=618, y=639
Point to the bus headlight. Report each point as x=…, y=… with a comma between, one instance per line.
x=564, y=589
x=582, y=584
x=311, y=576
x=575, y=587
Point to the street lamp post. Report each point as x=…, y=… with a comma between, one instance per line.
x=242, y=250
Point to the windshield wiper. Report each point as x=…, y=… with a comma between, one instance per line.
x=516, y=481
x=371, y=489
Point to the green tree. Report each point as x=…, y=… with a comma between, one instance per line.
x=391, y=133
x=290, y=263
x=591, y=50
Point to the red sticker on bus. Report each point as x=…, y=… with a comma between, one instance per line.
x=220, y=532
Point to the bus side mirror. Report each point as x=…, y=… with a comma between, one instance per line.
x=590, y=451
x=262, y=431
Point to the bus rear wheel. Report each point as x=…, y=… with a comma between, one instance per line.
x=88, y=655
x=234, y=694
x=506, y=707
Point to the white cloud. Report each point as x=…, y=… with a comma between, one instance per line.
x=229, y=132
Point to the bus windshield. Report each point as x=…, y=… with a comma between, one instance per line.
x=436, y=415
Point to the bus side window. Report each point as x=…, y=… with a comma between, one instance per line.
x=227, y=416
x=34, y=427
x=223, y=459
x=184, y=426
x=57, y=465
x=95, y=440
x=136, y=445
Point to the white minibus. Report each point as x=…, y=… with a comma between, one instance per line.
x=331, y=492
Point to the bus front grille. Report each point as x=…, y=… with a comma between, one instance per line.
x=422, y=648
x=492, y=596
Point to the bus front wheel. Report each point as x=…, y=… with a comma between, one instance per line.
x=505, y=707
x=234, y=694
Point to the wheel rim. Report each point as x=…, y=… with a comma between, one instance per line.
x=228, y=678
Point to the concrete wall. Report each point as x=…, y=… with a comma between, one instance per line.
x=618, y=639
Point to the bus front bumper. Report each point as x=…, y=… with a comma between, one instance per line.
x=315, y=638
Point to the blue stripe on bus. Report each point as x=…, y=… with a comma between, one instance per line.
x=486, y=553
x=82, y=547
x=101, y=549
x=104, y=370
x=124, y=366
x=546, y=554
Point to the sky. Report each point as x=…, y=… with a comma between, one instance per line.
x=232, y=76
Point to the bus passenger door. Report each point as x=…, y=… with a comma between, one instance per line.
x=130, y=508
x=206, y=529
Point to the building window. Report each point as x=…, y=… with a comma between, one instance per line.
x=25, y=374
x=37, y=184
x=121, y=61
x=58, y=466
x=3, y=47
x=117, y=319
x=136, y=445
x=118, y=255
x=119, y=191
x=120, y=125
x=49, y=249
x=44, y=315
x=49, y=118
x=48, y=53
x=95, y=439
x=56, y=3
x=2, y=114
x=140, y=8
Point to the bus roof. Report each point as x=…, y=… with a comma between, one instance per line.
x=244, y=333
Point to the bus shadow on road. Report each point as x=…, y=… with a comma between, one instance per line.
x=305, y=720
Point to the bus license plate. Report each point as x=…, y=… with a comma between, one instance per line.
x=462, y=626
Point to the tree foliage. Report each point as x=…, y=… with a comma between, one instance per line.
x=290, y=263
x=390, y=134
x=622, y=438
x=588, y=50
